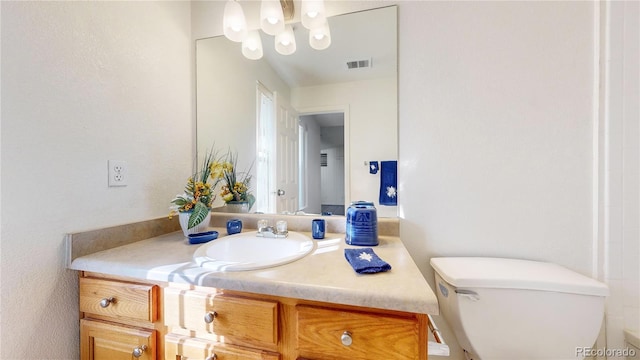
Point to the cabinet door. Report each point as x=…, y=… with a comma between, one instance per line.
x=105, y=341
x=336, y=334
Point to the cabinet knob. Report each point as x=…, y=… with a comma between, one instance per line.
x=212, y=357
x=210, y=316
x=346, y=338
x=107, y=301
x=137, y=351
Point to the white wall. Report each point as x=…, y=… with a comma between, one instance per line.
x=496, y=131
x=82, y=83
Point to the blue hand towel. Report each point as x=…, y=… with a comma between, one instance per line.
x=365, y=261
x=388, y=183
x=373, y=167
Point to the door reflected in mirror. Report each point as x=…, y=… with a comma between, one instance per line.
x=322, y=139
x=318, y=97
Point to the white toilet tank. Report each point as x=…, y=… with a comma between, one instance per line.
x=518, y=309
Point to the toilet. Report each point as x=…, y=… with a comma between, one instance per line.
x=506, y=309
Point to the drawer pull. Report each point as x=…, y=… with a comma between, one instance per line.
x=138, y=351
x=107, y=301
x=210, y=316
x=346, y=338
x=212, y=357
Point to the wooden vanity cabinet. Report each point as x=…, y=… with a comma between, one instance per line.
x=205, y=323
x=122, y=318
x=119, y=318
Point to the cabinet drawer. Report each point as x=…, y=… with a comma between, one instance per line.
x=119, y=299
x=320, y=332
x=105, y=341
x=189, y=348
x=236, y=318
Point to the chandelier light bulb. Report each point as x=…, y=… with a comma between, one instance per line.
x=286, y=41
x=271, y=17
x=252, y=46
x=234, y=23
x=313, y=13
x=320, y=37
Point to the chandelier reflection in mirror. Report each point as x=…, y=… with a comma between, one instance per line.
x=273, y=14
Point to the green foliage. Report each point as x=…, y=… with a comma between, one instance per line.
x=199, y=213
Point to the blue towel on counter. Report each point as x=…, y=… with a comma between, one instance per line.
x=365, y=261
x=389, y=183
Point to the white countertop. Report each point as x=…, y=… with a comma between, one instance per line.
x=324, y=275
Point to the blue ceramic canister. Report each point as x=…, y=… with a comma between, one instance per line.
x=317, y=228
x=234, y=226
x=362, y=224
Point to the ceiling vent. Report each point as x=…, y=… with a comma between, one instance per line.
x=359, y=64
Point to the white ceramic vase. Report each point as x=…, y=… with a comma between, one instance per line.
x=183, y=217
x=237, y=207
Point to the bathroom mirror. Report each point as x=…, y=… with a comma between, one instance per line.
x=353, y=111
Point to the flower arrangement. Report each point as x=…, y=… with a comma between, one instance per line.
x=235, y=185
x=198, y=195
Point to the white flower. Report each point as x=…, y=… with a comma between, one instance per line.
x=365, y=256
x=391, y=191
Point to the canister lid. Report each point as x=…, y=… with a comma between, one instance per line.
x=361, y=203
x=483, y=272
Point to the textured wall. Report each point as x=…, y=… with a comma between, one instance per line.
x=82, y=83
x=496, y=131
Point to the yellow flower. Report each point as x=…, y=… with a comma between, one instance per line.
x=227, y=197
x=217, y=170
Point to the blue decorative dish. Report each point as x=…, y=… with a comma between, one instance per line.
x=203, y=237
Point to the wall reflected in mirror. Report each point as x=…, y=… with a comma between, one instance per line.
x=325, y=97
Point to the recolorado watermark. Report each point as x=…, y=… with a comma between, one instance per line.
x=587, y=351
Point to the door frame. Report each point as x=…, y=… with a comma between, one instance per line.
x=339, y=108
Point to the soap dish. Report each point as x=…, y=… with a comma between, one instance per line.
x=203, y=237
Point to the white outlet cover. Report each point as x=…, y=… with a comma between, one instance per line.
x=117, y=172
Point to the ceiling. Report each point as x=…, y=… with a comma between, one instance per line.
x=364, y=35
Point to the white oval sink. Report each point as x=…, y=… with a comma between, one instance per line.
x=247, y=251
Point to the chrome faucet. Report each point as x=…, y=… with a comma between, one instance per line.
x=271, y=231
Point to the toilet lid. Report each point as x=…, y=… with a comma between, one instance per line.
x=483, y=272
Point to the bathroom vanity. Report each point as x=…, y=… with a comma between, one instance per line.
x=145, y=297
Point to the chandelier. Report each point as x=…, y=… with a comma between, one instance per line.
x=272, y=22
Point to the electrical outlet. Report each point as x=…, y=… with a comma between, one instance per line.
x=117, y=173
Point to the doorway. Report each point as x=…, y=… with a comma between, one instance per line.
x=323, y=152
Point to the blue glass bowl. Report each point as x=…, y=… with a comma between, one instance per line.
x=203, y=237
